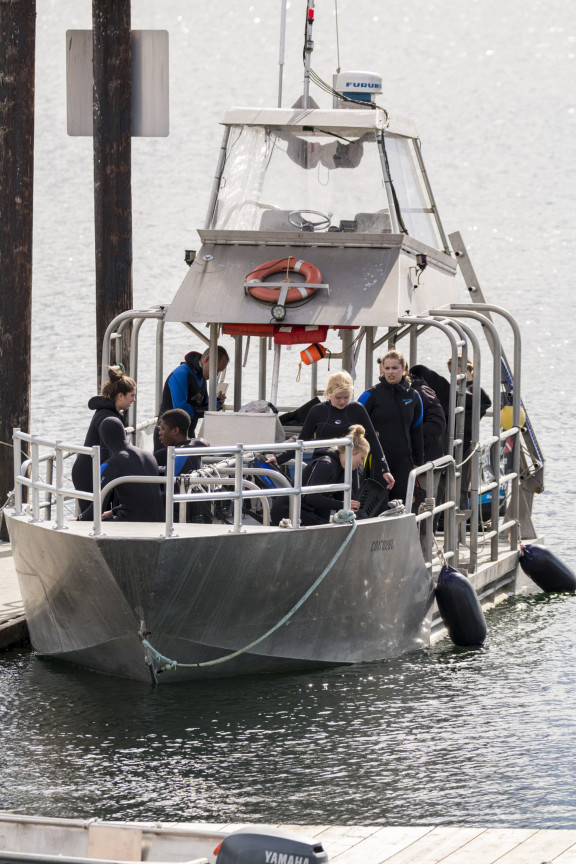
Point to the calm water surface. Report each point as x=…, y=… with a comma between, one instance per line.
x=443, y=736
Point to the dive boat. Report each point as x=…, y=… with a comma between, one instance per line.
x=321, y=229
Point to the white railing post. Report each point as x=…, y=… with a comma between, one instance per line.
x=238, y=488
x=17, y=463
x=295, y=501
x=96, y=491
x=59, y=483
x=35, y=478
x=169, y=530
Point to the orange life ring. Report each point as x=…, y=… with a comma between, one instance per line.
x=299, y=291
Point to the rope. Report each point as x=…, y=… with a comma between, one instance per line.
x=475, y=449
x=168, y=664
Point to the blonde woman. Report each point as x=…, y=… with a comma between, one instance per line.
x=326, y=467
x=334, y=417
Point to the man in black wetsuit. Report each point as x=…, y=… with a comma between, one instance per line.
x=135, y=502
x=173, y=432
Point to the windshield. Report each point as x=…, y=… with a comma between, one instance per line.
x=276, y=179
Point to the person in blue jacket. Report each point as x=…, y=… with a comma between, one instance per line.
x=395, y=409
x=186, y=387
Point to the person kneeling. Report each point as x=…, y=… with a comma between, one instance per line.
x=326, y=468
x=136, y=502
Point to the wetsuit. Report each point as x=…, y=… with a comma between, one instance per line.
x=82, y=468
x=196, y=511
x=433, y=420
x=316, y=509
x=325, y=421
x=137, y=502
x=186, y=388
x=396, y=412
x=442, y=389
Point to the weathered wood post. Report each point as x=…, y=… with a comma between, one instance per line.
x=112, y=65
x=17, y=56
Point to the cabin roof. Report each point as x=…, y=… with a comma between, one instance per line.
x=345, y=120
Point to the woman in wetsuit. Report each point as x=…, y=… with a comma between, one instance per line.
x=334, y=417
x=395, y=410
x=118, y=393
x=326, y=467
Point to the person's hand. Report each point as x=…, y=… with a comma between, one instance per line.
x=272, y=461
x=222, y=396
x=389, y=480
x=355, y=505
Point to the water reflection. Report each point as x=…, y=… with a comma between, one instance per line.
x=444, y=735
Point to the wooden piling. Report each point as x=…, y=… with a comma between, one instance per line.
x=112, y=65
x=17, y=56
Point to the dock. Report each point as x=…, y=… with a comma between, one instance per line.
x=13, y=628
x=421, y=844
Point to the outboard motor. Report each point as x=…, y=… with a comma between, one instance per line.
x=267, y=846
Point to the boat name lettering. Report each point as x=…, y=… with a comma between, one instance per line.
x=382, y=545
x=284, y=858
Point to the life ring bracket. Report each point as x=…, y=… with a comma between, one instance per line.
x=285, y=291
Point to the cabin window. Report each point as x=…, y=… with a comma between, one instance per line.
x=271, y=172
x=410, y=190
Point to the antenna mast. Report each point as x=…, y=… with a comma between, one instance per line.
x=308, y=48
x=282, y=48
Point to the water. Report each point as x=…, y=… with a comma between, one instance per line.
x=442, y=736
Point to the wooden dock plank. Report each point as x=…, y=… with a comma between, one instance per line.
x=340, y=839
x=380, y=846
x=545, y=845
x=567, y=857
x=435, y=846
x=490, y=846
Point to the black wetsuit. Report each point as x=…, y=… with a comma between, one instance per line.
x=82, y=468
x=137, y=502
x=433, y=420
x=196, y=511
x=442, y=389
x=396, y=412
x=325, y=421
x=316, y=509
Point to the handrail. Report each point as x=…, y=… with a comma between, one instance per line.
x=240, y=452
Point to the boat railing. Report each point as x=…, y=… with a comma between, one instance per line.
x=502, y=520
x=432, y=474
x=27, y=475
x=238, y=455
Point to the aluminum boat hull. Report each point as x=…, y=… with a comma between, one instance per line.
x=208, y=593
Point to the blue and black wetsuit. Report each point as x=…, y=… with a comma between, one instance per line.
x=396, y=412
x=186, y=388
x=196, y=511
